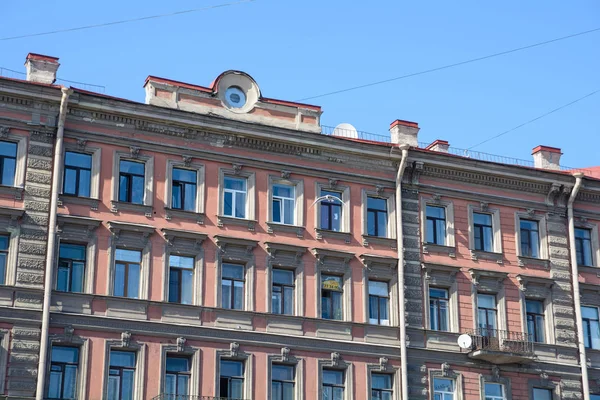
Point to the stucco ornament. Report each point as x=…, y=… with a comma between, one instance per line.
x=383, y=363
x=234, y=349
x=495, y=373
x=335, y=359
x=125, y=338
x=285, y=354
x=181, y=343
x=445, y=369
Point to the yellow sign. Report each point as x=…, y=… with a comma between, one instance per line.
x=332, y=284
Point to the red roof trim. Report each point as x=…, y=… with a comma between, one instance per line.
x=405, y=123
x=41, y=57
x=546, y=148
x=436, y=142
x=176, y=83
x=82, y=91
x=290, y=103
x=50, y=85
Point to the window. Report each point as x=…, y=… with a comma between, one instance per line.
x=542, y=394
x=183, y=190
x=283, y=204
x=71, y=268
x=78, y=174
x=494, y=391
x=377, y=216
x=530, y=238
x=331, y=211
x=436, y=225
x=64, y=363
x=535, y=320
x=131, y=181
x=282, y=297
x=583, y=246
x=591, y=327
x=282, y=382
x=232, y=286
x=181, y=279
x=4, y=242
x=483, y=232
x=443, y=389
x=333, y=384
x=8, y=163
x=234, y=196
x=381, y=387
x=231, y=380
x=127, y=273
x=379, y=297
x=331, y=297
x=486, y=314
x=594, y=396
x=121, y=379
x=438, y=309
x=177, y=377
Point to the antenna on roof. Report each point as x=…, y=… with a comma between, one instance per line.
x=345, y=130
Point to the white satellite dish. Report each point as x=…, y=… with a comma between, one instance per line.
x=345, y=130
x=465, y=341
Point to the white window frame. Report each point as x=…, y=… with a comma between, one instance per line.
x=133, y=156
x=286, y=359
x=130, y=237
x=598, y=310
x=192, y=353
x=199, y=209
x=331, y=262
x=345, y=223
x=442, y=277
x=96, y=153
x=336, y=363
x=234, y=354
x=496, y=253
x=390, y=199
x=384, y=367
x=4, y=350
x=140, y=364
x=542, y=233
x=594, y=238
x=540, y=289
x=20, y=161
x=10, y=227
x=504, y=382
x=490, y=283
x=382, y=269
x=238, y=173
x=288, y=257
x=448, y=206
x=446, y=373
x=298, y=185
x=71, y=340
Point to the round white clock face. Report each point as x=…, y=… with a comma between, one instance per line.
x=465, y=341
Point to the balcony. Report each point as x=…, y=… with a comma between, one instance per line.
x=501, y=347
x=190, y=397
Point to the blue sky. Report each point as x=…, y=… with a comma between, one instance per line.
x=298, y=49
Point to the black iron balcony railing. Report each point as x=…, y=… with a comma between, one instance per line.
x=190, y=397
x=502, y=341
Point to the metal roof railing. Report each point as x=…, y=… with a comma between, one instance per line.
x=11, y=73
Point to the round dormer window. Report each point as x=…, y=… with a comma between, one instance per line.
x=235, y=97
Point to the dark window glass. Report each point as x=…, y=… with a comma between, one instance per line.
x=379, y=296
x=486, y=314
x=542, y=394
x=436, y=225
x=71, y=268
x=183, y=191
x=283, y=204
x=4, y=242
x=282, y=382
x=494, y=391
x=62, y=381
x=131, y=181
x=530, y=238
x=438, y=309
x=8, y=163
x=443, y=389
x=377, y=217
x=127, y=273
x=78, y=174
x=121, y=375
x=583, y=247
x=535, y=320
x=591, y=327
x=181, y=279
x=483, y=232
x=282, y=296
x=332, y=292
x=331, y=211
x=177, y=377
x=381, y=387
x=232, y=286
x=231, y=380
x=333, y=385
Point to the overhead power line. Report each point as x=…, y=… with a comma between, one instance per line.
x=427, y=71
x=535, y=119
x=125, y=21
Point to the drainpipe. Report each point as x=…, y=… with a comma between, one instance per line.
x=56, y=173
x=400, y=246
x=576, y=296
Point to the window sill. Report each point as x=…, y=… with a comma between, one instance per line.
x=538, y=262
x=439, y=248
x=392, y=243
x=173, y=212
x=321, y=233
x=117, y=206
x=85, y=201
x=486, y=255
x=277, y=227
x=225, y=220
x=12, y=191
x=589, y=270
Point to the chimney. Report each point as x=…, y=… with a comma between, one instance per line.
x=546, y=157
x=439, y=145
x=41, y=68
x=404, y=132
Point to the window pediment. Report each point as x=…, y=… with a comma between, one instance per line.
x=183, y=238
x=487, y=280
x=333, y=258
x=229, y=243
x=284, y=253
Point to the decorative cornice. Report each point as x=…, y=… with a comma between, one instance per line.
x=171, y=235
x=324, y=255
x=525, y=280
x=477, y=274
x=223, y=242
x=371, y=259
x=116, y=227
x=275, y=249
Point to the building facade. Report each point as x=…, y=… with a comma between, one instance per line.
x=215, y=242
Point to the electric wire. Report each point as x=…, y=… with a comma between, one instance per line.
x=427, y=71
